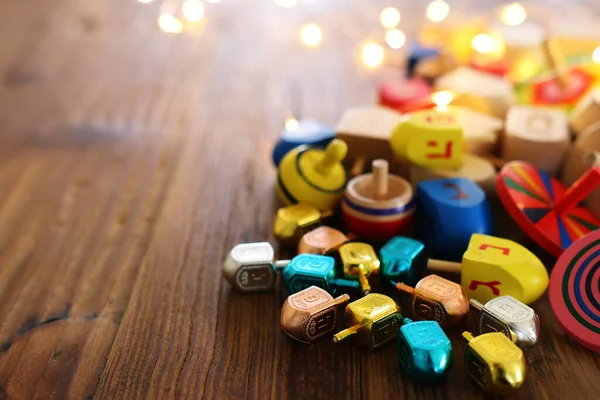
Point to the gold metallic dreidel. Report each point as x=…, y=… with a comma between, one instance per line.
x=437, y=299
x=360, y=261
x=322, y=240
x=310, y=314
x=509, y=316
x=294, y=221
x=494, y=363
x=373, y=321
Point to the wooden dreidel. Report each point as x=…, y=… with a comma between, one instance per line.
x=249, y=267
x=480, y=131
x=396, y=94
x=313, y=176
x=378, y=205
x=424, y=350
x=359, y=261
x=544, y=209
x=449, y=211
x=483, y=92
x=372, y=321
x=402, y=260
x=310, y=314
x=293, y=221
x=537, y=135
x=307, y=132
x=419, y=53
x=494, y=363
x=493, y=267
x=477, y=169
x=509, y=316
x=437, y=299
x=574, y=293
x=586, y=112
x=429, y=138
x=322, y=240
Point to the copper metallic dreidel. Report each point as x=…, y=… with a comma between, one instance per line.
x=373, y=321
x=294, y=221
x=359, y=261
x=310, y=314
x=510, y=317
x=438, y=299
x=322, y=240
x=494, y=363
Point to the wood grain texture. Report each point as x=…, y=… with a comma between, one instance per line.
x=131, y=161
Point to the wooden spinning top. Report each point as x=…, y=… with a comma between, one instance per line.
x=379, y=204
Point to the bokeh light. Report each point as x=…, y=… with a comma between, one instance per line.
x=390, y=17
x=169, y=23
x=482, y=43
x=372, y=55
x=442, y=98
x=395, y=38
x=291, y=124
x=192, y=10
x=311, y=35
x=437, y=11
x=596, y=55
x=513, y=14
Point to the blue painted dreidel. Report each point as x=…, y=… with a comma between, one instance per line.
x=424, y=350
x=402, y=260
x=417, y=54
x=308, y=132
x=448, y=212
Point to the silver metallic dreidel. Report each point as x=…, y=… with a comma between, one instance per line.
x=249, y=267
x=507, y=315
x=310, y=314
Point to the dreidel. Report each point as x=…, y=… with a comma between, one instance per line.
x=494, y=363
x=493, y=267
x=249, y=267
x=359, y=261
x=292, y=222
x=322, y=240
x=402, y=260
x=372, y=320
x=424, y=350
x=510, y=317
x=310, y=314
x=308, y=132
x=437, y=299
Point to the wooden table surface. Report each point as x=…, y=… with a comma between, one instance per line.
x=131, y=161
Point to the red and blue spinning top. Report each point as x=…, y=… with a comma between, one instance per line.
x=548, y=213
x=575, y=291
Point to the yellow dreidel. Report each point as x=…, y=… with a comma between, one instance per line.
x=360, y=261
x=429, y=138
x=493, y=267
x=294, y=221
x=313, y=176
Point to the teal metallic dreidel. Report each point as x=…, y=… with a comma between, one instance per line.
x=306, y=270
x=402, y=260
x=424, y=350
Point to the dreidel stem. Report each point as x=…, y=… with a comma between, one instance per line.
x=468, y=336
x=405, y=288
x=358, y=167
x=281, y=264
x=406, y=321
x=579, y=190
x=446, y=266
x=380, y=178
x=556, y=61
x=476, y=305
x=364, y=282
x=341, y=299
x=346, y=333
x=334, y=153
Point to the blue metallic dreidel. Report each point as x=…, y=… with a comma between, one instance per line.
x=306, y=270
x=448, y=212
x=402, y=260
x=308, y=131
x=424, y=350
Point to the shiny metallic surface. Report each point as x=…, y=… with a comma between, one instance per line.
x=293, y=221
x=306, y=270
x=359, y=261
x=321, y=240
x=249, y=267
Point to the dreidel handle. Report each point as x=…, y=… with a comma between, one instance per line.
x=446, y=266
x=476, y=305
x=358, y=167
x=334, y=153
x=380, y=178
x=556, y=61
x=579, y=190
x=405, y=288
x=346, y=333
x=364, y=282
x=468, y=336
x=343, y=299
x=281, y=264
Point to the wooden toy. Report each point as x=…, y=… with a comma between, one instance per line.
x=494, y=363
x=509, y=316
x=292, y=222
x=478, y=90
x=586, y=112
x=310, y=314
x=479, y=170
x=536, y=135
x=373, y=320
x=402, y=260
x=498, y=67
x=430, y=138
x=367, y=131
x=438, y=299
x=424, y=350
x=378, y=205
x=493, y=267
x=543, y=208
x=480, y=131
x=448, y=212
x=574, y=292
x=308, y=132
x=313, y=176
x=322, y=240
x=249, y=267
x=396, y=94
x=359, y=262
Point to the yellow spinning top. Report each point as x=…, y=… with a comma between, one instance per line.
x=313, y=176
